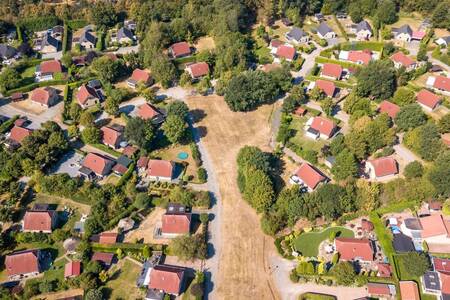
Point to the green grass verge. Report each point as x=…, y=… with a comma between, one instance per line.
x=374, y=46
x=338, y=83
x=8, y=124
x=308, y=243
x=107, y=150
x=316, y=296
x=345, y=64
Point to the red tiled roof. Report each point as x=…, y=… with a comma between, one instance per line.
x=409, y=291
x=96, y=163
x=104, y=257
x=445, y=283
x=84, y=93
x=142, y=162
x=108, y=238
x=20, y=122
x=323, y=125
x=286, y=52
x=433, y=226
x=22, y=262
x=140, y=75
x=160, y=168
x=110, y=136
x=38, y=221
x=442, y=83
x=199, y=69
x=121, y=169
x=176, y=223
x=19, y=133
x=275, y=43
x=384, y=270
x=129, y=151
x=147, y=111
x=180, y=49
x=378, y=289
x=384, y=166
x=327, y=87
x=351, y=248
x=402, y=59
x=300, y=111
x=332, y=70
x=43, y=95
x=418, y=35
x=390, y=108
x=72, y=269
x=309, y=175
x=51, y=66
x=166, y=278
x=367, y=225
x=428, y=99
x=363, y=57
x=441, y=264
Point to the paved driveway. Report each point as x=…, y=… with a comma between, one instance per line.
x=70, y=163
x=56, y=55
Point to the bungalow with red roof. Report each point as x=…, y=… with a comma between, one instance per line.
x=381, y=290
x=103, y=258
x=160, y=170
x=441, y=264
x=148, y=112
x=360, y=57
x=428, y=100
x=353, y=249
x=23, y=264
x=180, y=49
x=139, y=77
x=389, y=108
x=47, y=70
x=39, y=221
x=112, y=136
x=274, y=44
x=97, y=164
x=72, y=269
x=46, y=96
x=16, y=136
x=384, y=270
x=107, y=238
x=307, y=176
x=176, y=221
x=142, y=164
x=445, y=284
x=87, y=96
x=286, y=52
x=328, y=87
x=401, y=60
x=331, y=71
x=439, y=83
x=381, y=168
x=197, y=70
x=320, y=127
x=167, y=278
x=434, y=229
x=409, y=290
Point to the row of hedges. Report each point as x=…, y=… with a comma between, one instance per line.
x=127, y=175
x=8, y=124
x=32, y=86
x=65, y=40
x=345, y=64
x=126, y=246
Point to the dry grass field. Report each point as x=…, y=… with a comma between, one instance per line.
x=243, y=271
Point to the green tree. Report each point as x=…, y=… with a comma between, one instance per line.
x=9, y=79
x=404, y=96
x=413, y=170
x=415, y=263
x=258, y=191
x=345, y=165
x=444, y=124
x=108, y=70
x=142, y=201
x=94, y=294
x=204, y=218
x=174, y=128
x=439, y=174
x=344, y=273
x=163, y=70
x=91, y=135
x=410, y=117
x=103, y=15
x=387, y=12
x=441, y=15
x=178, y=108
x=425, y=141
x=140, y=132
x=189, y=247
x=66, y=59
x=376, y=80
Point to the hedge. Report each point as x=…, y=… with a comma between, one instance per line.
x=32, y=86
x=127, y=175
x=126, y=246
x=8, y=124
x=65, y=40
x=76, y=24
x=38, y=23
x=345, y=64
x=341, y=28
x=374, y=46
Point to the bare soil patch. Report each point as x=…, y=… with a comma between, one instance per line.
x=243, y=269
x=205, y=43
x=146, y=228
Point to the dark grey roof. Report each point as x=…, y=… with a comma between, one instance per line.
x=313, y=131
x=413, y=224
x=404, y=29
x=49, y=40
x=363, y=25
x=431, y=281
x=87, y=36
x=446, y=39
x=124, y=161
x=94, y=83
x=124, y=33
x=296, y=33
x=153, y=294
x=7, y=51
x=331, y=159
x=58, y=29
x=402, y=243
x=323, y=28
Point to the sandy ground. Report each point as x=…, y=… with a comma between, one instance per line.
x=243, y=269
x=205, y=43
x=145, y=230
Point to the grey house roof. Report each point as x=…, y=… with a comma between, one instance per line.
x=87, y=37
x=403, y=29
x=323, y=29
x=124, y=33
x=49, y=40
x=363, y=25
x=446, y=39
x=7, y=51
x=296, y=34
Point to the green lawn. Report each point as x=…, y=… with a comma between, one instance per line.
x=308, y=243
x=122, y=283
x=315, y=296
x=300, y=139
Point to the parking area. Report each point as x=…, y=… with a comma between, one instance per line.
x=69, y=163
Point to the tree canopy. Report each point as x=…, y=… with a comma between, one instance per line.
x=377, y=80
